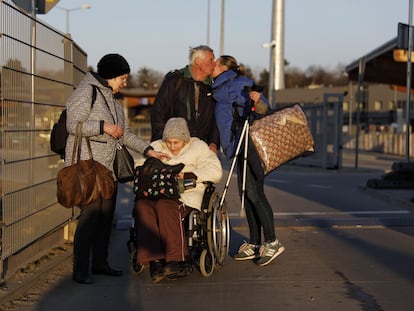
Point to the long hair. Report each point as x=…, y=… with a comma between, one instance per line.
x=231, y=63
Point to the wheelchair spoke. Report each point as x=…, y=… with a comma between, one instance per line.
x=220, y=233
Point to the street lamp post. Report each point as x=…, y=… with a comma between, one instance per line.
x=82, y=7
x=208, y=22
x=277, y=59
x=222, y=28
x=408, y=88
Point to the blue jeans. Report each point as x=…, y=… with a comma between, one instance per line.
x=259, y=213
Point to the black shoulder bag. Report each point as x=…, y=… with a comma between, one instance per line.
x=124, y=162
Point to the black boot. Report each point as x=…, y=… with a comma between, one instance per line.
x=156, y=270
x=81, y=271
x=177, y=269
x=107, y=270
x=82, y=278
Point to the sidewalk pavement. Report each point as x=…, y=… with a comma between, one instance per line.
x=377, y=162
x=56, y=266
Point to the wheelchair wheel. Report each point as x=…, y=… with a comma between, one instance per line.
x=206, y=263
x=219, y=223
x=134, y=266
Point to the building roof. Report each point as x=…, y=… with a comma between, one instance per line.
x=139, y=92
x=380, y=66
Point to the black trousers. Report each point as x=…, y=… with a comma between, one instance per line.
x=93, y=232
x=259, y=212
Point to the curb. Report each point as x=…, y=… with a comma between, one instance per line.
x=403, y=198
x=29, y=277
x=330, y=222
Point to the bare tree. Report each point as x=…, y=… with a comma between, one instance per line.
x=149, y=78
x=296, y=78
x=264, y=80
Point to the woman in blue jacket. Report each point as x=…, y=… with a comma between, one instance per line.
x=236, y=99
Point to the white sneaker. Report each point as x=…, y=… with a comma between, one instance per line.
x=269, y=251
x=247, y=251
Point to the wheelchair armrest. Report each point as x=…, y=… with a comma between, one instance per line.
x=210, y=189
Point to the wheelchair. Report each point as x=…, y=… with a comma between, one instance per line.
x=208, y=234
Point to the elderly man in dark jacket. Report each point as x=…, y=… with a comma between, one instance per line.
x=187, y=93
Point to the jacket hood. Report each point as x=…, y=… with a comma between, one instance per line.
x=92, y=78
x=223, y=78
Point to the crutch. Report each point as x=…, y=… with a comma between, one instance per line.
x=244, y=137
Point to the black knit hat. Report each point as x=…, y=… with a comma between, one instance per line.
x=112, y=65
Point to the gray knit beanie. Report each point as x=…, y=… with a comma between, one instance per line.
x=176, y=128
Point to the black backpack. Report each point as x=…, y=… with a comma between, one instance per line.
x=59, y=133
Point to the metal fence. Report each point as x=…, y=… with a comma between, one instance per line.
x=387, y=143
x=39, y=68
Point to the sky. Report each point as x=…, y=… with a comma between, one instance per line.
x=157, y=34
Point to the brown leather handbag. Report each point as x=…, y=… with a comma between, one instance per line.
x=85, y=181
x=281, y=137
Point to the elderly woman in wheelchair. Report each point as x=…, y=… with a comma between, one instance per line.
x=162, y=203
